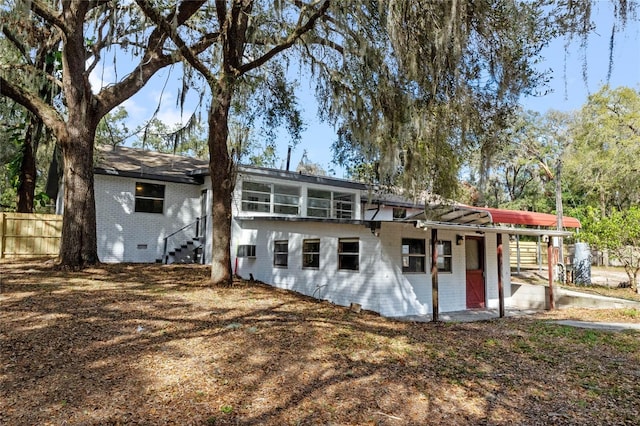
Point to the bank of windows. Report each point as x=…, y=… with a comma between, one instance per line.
x=329, y=204
x=149, y=198
x=270, y=198
x=414, y=256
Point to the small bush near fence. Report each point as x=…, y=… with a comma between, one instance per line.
x=24, y=235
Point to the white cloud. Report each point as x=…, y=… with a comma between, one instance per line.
x=101, y=77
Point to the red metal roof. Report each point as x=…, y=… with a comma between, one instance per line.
x=517, y=217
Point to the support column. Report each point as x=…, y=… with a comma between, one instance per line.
x=434, y=275
x=500, y=284
x=550, y=264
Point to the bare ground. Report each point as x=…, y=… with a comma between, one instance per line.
x=153, y=345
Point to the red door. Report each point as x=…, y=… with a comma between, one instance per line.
x=474, y=255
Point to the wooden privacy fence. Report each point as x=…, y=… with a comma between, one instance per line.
x=29, y=235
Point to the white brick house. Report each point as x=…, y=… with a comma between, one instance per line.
x=320, y=236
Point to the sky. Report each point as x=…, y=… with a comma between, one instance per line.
x=567, y=90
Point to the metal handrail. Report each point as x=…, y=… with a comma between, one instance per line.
x=199, y=233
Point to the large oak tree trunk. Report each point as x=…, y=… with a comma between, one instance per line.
x=221, y=169
x=78, y=247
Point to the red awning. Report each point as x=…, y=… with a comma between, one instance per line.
x=517, y=217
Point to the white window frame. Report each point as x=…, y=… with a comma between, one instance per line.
x=314, y=254
x=336, y=204
x=138, y=196
x=441, y=263
x=407, y=256
x=348, y=254
x=246, y=200
x=279, y=252
x=279, y=198
x=246, y=250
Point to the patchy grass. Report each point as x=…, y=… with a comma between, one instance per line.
x=151, y=344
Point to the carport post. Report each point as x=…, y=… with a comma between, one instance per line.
x=500, y=286
x=434, y=275
x=550, y=264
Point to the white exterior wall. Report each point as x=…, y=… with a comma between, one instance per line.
x=121, y=230
x=379, y=285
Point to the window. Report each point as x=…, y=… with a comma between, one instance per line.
x=256, y=197
x=444, y=256
x=342, y=206
x=286, y=199
x=318, y=203
x=399, y=213
x=270, y=198
x=246, y=250
x=149, y=198
x=329, y=204
x=281, y=253
x=311, y=253
x=348, y=254
x=413, y=255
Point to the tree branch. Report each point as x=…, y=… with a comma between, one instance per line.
x=43, y=10
x=295, y=36
x=186, y=52
x=36, y=106
x=153, y=59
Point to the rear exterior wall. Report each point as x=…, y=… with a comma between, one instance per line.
x=128, y=236
x=379, y=285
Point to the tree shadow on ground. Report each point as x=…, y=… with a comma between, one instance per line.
x=151, y=345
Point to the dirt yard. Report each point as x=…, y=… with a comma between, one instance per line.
x=154, y=345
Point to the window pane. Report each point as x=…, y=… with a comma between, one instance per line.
x=286, y=190
x=147, y=205
x=311, y=246
x=314, y=202
x=315, y=193
x=349, y=262
x=285, y=209
x=150, y=190
x=399, y=213
x=256, y=196
x=255, y=186
x=255, y=207
x=285, y=199
x=444, y=264
x=337, y=196
x=280, y=259
x=413, y=264
x=348, y=247
x=246, y=250
x=444, y=248
x=310, y=260
x=317, y=212
x=281, y=246
x=413, y=246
